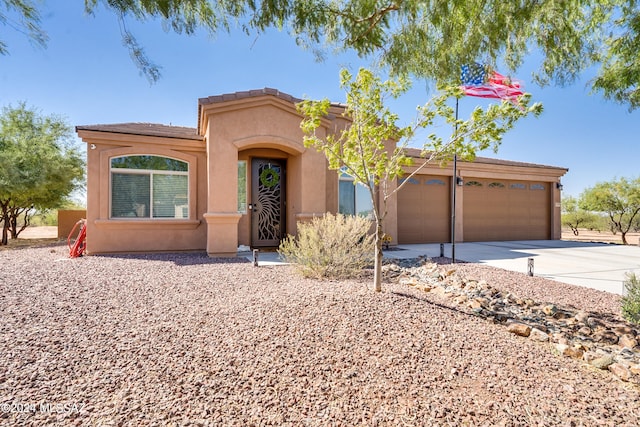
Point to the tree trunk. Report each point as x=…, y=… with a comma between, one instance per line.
x=4, y=217
x=377, y=264
x=15, y=215
x=5, y=234
x=11, y=219
x=623, y=234
x=13, y=224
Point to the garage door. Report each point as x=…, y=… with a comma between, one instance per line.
x=506, y=210
x=424, y=210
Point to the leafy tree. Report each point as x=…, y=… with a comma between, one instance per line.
x=425, y=39
x=39, y=168
x=22, y=16
x=363, y=148
x=635, y=226
x=574, y=217
x=619, y=76
x=620, y=200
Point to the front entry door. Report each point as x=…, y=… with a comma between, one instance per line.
x=267, y=202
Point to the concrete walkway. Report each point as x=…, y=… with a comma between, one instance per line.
x=594, y=265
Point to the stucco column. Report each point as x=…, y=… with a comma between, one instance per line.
x=222, y=215
x=313, y=188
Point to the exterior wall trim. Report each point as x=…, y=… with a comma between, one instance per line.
x=105, y=187
x=146, y=224
x=270, y=141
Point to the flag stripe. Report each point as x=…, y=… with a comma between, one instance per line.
x=476, y=81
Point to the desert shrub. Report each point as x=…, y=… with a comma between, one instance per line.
x=331, y=246
x=47, y=217
x=631, y=300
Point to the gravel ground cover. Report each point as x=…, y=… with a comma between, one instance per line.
x=183, y=339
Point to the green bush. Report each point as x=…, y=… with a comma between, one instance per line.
x=331, y=246
x=631, y=301
x=47, y=217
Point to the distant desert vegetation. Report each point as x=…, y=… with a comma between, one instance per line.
x=599, y=236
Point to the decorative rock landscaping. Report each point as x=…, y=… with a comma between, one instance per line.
x=604, y=341
x=187, y=340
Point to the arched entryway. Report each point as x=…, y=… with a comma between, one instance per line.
x=267, y=207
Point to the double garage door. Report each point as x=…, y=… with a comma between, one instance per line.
x=492, y=210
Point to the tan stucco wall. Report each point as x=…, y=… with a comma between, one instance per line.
x=67, y=219
x=266, y=127
x=106, y=235
x=244, y=128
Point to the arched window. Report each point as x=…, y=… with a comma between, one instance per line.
x=146, y=186
x=496, y=185
x=473, y=184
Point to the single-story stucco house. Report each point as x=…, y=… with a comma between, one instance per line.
x=244, y=177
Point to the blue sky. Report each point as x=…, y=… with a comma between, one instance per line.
x=86, y=75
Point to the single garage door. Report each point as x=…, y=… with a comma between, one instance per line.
x=506, y=210
x=424, y=210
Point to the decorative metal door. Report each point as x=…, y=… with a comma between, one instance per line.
x=268, y=202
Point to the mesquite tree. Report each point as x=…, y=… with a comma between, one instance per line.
x=620, y=200
x=363, y=151
x=39, y=167
x=573, y=216
x=419, y=38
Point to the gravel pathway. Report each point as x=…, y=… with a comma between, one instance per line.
x=182, y=339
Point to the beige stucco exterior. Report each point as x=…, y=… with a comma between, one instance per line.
x=67, y=220
x=106, y=234
x=252, y=126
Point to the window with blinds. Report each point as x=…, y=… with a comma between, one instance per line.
x=149, y=187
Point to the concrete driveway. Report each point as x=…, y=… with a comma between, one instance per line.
x=596, y=265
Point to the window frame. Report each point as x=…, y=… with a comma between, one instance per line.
x=149, y=172
x=344, y=176
x=242, y=205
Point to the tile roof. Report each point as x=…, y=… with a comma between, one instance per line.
x=247, y=94
x=146, y=129
x=166, y=131
x=415, y=152
x=255, y=93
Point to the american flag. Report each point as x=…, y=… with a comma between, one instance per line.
x=478, y=80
